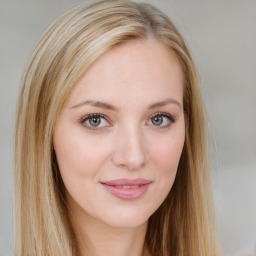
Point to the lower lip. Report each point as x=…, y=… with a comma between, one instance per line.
x=127, y=193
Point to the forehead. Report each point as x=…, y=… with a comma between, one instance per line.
x=134, y=68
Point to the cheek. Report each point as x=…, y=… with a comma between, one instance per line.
x=166, y=156
x=169, y=154
x=168, y=151
x=77, y=155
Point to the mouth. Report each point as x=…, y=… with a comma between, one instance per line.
x=127, y=186
x=127, y=189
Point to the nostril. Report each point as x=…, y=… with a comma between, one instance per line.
x=129, y=161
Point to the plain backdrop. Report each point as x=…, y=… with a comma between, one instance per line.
x=221, y=35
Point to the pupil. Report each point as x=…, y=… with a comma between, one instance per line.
x=94, y=121
x=157, y=120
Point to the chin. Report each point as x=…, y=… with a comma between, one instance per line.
x=127, y=219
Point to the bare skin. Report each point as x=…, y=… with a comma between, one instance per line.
x=102, y=240
x=123, y=120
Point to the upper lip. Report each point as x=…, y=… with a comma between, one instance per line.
x=129, y=182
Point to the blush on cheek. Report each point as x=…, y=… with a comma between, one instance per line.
x=169, y=153
x=167, y=160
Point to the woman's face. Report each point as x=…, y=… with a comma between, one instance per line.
x=119, y=137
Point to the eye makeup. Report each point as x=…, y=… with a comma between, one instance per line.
x=97, y=121
x=161, y=120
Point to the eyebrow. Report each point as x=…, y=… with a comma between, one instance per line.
x=164, y=103
x=98, y=104
x=105, y=105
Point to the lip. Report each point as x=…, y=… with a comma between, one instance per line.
x=127, y=189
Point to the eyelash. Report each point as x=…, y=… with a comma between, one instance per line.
x=87, y=117
x=170, y=118
x=98, y=115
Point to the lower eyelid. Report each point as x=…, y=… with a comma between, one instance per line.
x=170, y=120
x=84, y=119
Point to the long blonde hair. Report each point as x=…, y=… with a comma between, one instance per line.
x=184, y=224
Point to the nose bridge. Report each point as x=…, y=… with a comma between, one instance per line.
x=130, y=151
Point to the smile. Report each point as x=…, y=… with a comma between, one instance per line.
x=127, y=186
x=127, y=189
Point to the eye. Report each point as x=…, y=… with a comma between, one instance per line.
x=161, y=120
x=95, y=121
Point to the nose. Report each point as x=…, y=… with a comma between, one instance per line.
x=130, y=151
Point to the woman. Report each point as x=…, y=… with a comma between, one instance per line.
x=110, y=140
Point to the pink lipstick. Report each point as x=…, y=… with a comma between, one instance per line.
x=127, y=189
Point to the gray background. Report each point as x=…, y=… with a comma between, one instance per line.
x=222, y=37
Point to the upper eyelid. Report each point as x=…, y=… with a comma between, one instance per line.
x=171, y=120
x=86, y=117
x=106, y=117
x=163, y=114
